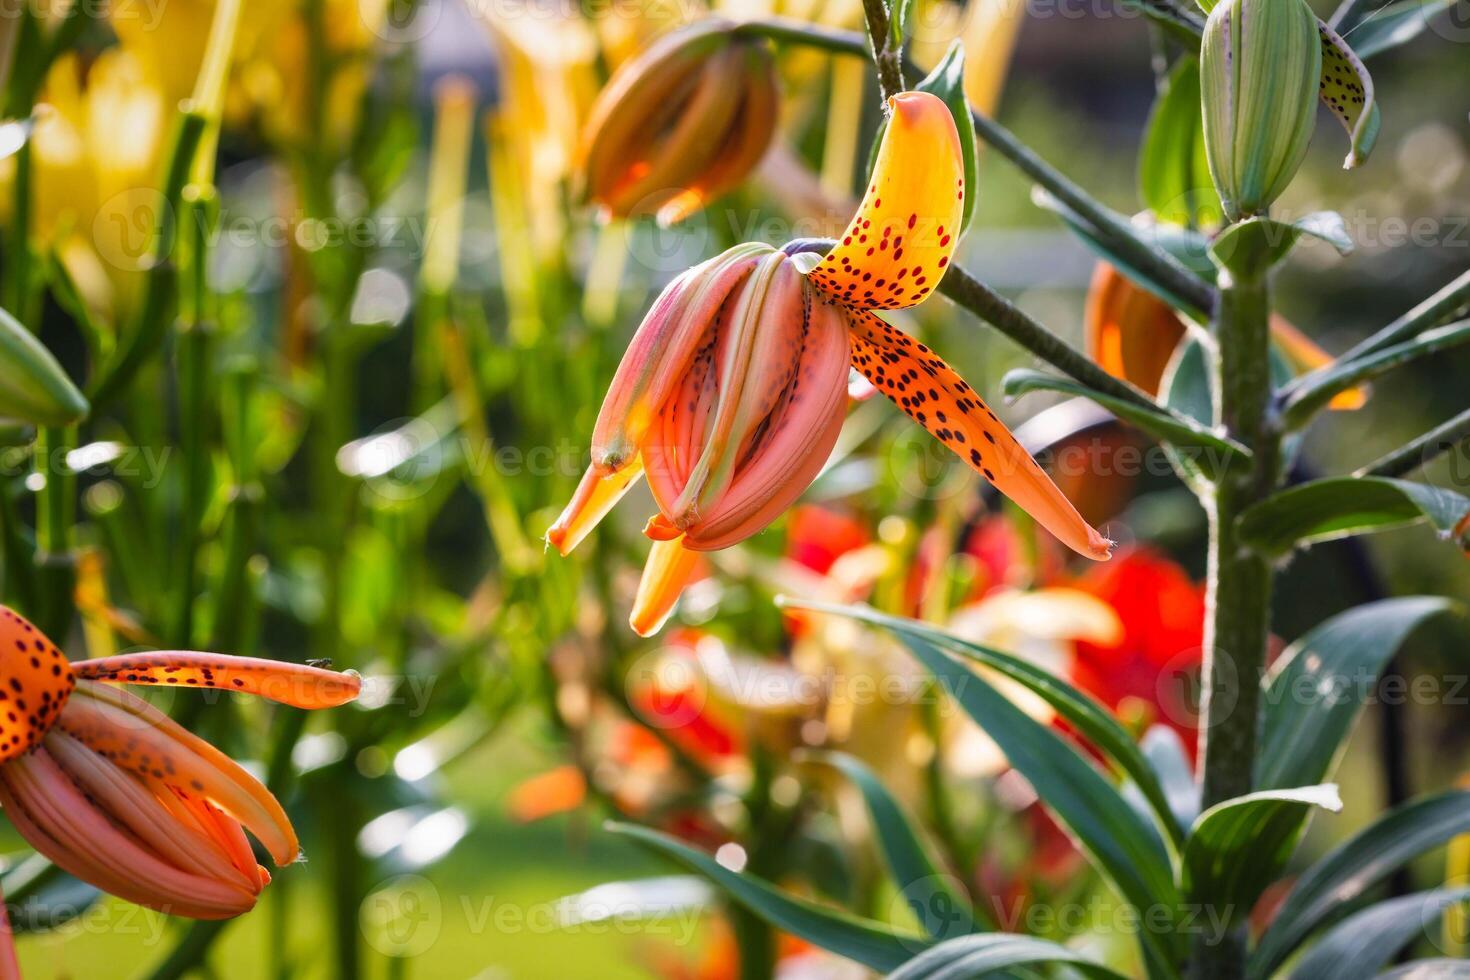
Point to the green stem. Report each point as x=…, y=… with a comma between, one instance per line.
x=887, y=55
x=969, y=292
x=1239, y=584
x=190, y=950
x=1426, y=448
x=55, y=516
x=1452, y=299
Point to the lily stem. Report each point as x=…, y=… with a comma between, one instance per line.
x=887, y=50
x=1425, y=449
x=1238, y=597
x=972, y=294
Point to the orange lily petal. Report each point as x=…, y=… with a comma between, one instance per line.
x=932, y=394
x=154, y=823
x=596, y=495
x=38, y=680
x=1304, y=354
x=144, y=741
x=59, y=821
x=297, y=685
x=660, y=352
x=896, y=249
x=1131, y=334
x=670, y=569
x=547, y=794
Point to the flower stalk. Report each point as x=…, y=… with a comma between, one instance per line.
x=1238, y=590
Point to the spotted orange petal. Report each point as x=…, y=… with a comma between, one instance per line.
x=932, y=394
x=297, y=685
x=37, y=682
x=896, y=249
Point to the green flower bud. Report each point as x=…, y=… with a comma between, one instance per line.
x=1259, y=67
x=33, y=387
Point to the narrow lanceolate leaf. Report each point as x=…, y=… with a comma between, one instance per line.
x=947, y=81
x=1340, y=507
x=1093, y=721
x=1105, y=247
x=976, y=956
x=1239, y=847
x=33, y=387
x=1173, y=172
x=1300, y=401
x=873, y=945
x=1165, y=752
x=1127, y=850
x=1364, y=943
x=1330, y=886
x=1347, y=89
x=936, y=904
x=1316, y=689
x=1435, y=969
x=1212, y=453
x=1395, y=24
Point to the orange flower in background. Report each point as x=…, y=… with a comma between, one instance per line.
x=730, y=396
x=1163, y=614
x=113, y=791
x=817, y=536
x=682, y=123
x=1132, y=334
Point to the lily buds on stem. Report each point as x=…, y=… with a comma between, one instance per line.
x=1260, y=64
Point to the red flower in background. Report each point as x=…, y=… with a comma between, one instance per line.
x=1143, y=676
x=816, y=537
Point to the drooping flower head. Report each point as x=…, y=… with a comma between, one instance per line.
x=733, y=390
x=115, y=792
x=682, y=123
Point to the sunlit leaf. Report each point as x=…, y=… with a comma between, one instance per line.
x=1212, y=453
x=874, y=946
x=1341, y=507
x=929, y=893
x=1316, y=689
x=1328, y=888
x=1239, y=847
x=977, y=956
x=1364, y=943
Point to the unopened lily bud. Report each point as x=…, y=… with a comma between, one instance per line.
x=1259, y=67
x=682, y=123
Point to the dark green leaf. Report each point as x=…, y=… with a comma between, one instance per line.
x=1259, y=243
x=1437, y=969
x=1311, y=392
x=1100, y=245
x=947, y=81
x=1238, y=848
x=1127, y=850
x=1167, y=756
x=1093, y=721
x=41, y=897
x=1343, y=506
x=1363, y=943
x=873, y=945
x=1316, y=689
x=1330, y=886
x=977, y=956
x=929, y=893
x=1395, y=24
x=1173, y=171
x=1211, y=453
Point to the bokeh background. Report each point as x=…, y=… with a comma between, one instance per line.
x=387, y=426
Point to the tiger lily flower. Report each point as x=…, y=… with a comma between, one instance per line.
x=732, y=392
x=113, y=791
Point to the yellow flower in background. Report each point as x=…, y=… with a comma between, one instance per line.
x=96, y=151
x=988, y=29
